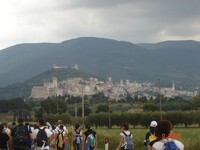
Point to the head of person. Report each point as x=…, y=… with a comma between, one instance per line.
x=59, y=122
x=41, y=122
x=125, y=126
x=76, y=126
x=26, y=124
x=164, y=128
x=1, y=128
x=20, y=120
x=14, y=123
x=153, y=126
x=88, y=126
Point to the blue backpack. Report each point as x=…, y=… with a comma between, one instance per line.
x=129, y=145
x=170, y=145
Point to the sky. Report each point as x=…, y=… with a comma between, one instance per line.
x=136, y=21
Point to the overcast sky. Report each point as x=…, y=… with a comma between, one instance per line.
x=136, y=21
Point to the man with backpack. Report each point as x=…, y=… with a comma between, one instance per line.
x=151, y=135
x=21, y=136
x=90, y=138
x=164, y=128
x=126, y=142
x=42, y=136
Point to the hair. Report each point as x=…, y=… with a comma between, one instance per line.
x=61, y=127
x=76, y=126
x=27, y=124
x=1, y=128
x=14, y=123
x=59, y=121
x=20, y=120
x=42, y=122
x=125, y=125
x=88, y=126
x=163, y=129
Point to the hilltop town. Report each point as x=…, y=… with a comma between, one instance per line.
x=114, y=90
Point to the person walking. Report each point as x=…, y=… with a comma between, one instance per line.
x=77, y=137
x=164, y=128
x=125, y=138
x=21, y=136
x=42, y=136
x=4, y=138
x=90, y=138
x=151, y=134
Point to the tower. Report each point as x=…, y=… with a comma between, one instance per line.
x=173, y=86
x=55, y=82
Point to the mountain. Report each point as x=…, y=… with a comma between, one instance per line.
x=23, y=89
x=168, y=61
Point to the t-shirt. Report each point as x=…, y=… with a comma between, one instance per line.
x=3, y=140
x=58, y=128
x=160, y=144
x=49, y=133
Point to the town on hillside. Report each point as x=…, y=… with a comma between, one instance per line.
x=115, y=91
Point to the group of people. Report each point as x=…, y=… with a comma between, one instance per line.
x=158, y=138
x=44, y=136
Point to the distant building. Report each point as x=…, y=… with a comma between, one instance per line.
x=40, y=92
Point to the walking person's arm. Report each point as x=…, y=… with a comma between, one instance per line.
x=120, y=142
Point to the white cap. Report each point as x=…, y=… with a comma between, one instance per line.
x=153, y=124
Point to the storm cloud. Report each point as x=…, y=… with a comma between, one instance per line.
x=25, y=21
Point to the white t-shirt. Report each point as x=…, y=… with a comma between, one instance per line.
x=49, y=134
x=160, y=144
x=58, y=128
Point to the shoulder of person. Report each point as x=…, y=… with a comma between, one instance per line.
x=178, y=144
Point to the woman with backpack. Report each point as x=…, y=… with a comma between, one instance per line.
x=164, y=128
x=125, y=138
x=77, y=137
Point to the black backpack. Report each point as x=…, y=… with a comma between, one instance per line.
x=21, y=135
x=41, y=138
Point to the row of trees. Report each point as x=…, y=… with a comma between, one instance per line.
x=135, y=119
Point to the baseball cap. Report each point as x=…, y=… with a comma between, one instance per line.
x=153, y=124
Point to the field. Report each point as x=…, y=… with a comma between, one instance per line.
x=190, y=137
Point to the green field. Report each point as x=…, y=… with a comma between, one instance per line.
x=190, y=137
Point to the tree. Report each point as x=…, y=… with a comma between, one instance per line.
x=102, y=108
x=150, y=107
x=196, y=102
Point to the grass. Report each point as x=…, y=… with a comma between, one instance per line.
x=190, y=137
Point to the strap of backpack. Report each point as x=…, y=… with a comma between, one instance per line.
x=126, y=134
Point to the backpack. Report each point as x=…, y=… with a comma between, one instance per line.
x=78, y=138
x=21, y=136
x=41, y=138
x=170, y=145
x=152, y=137
x=128, y=141
x=60, y=139
x=91, y=141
